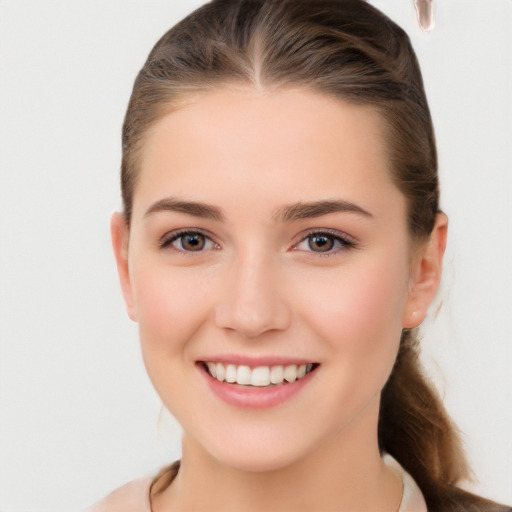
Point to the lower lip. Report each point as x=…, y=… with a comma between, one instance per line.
x=255, y=398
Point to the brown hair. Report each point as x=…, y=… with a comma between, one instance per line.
x=349, y=50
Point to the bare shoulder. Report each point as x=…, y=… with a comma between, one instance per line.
x=132, y=497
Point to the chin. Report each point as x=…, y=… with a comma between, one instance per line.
x=257, y=451
x=258, y=461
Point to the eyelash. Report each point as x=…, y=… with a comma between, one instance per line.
x=341, y=241
x=170, y=238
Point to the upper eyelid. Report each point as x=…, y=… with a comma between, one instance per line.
x=326, y=231
x=171, y=236
x=347, y=242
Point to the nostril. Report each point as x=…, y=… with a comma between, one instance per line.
x=251, y=319
x=251, y=302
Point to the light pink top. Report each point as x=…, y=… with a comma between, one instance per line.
x=412, y=499
x=134, y=496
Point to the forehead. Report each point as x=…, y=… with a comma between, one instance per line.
x=240, y=143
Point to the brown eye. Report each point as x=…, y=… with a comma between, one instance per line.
x=188, y=241
x=325, y=243
x=321, y=243
x=192, y=242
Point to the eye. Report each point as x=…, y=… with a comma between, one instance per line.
x=188, y=241
x=324, y=243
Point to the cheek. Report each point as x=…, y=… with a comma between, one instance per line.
x=170, y=307
x=374, y=308
x=358, y=309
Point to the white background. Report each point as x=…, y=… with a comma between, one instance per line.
x=78, y=416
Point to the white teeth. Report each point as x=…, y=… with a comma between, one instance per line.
x=243, y=375
x=212, y=368
x=276, y=375
x=231, y=373
x=260, y=376
x=220, y=372
x=290, y=373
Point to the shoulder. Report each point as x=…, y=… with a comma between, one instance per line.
x=132, y=497
x=135, y=495
x=439, y=498
x=456, y=499
x=412, y=497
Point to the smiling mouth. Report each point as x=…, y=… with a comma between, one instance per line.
x=260, y=376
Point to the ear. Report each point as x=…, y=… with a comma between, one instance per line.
x=426, y=271
x=120, y=234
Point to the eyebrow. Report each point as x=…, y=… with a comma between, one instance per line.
x=302, y=210
x=290, y=213
x=196, y=209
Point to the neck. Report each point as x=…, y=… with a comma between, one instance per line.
x=344, y=474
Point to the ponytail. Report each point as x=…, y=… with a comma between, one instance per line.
x=416, y=430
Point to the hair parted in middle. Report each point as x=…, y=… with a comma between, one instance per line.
x=348, y=50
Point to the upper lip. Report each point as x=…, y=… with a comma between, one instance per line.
x=254, y=362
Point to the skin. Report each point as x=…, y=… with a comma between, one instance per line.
x=260, y=288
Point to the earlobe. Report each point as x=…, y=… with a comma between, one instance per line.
x=426, y=272
x=120, y=232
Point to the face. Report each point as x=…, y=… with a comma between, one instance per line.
x=268, y=240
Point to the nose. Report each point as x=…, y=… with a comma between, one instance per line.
x=252, y=301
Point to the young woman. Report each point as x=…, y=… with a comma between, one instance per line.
x=281, y=240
